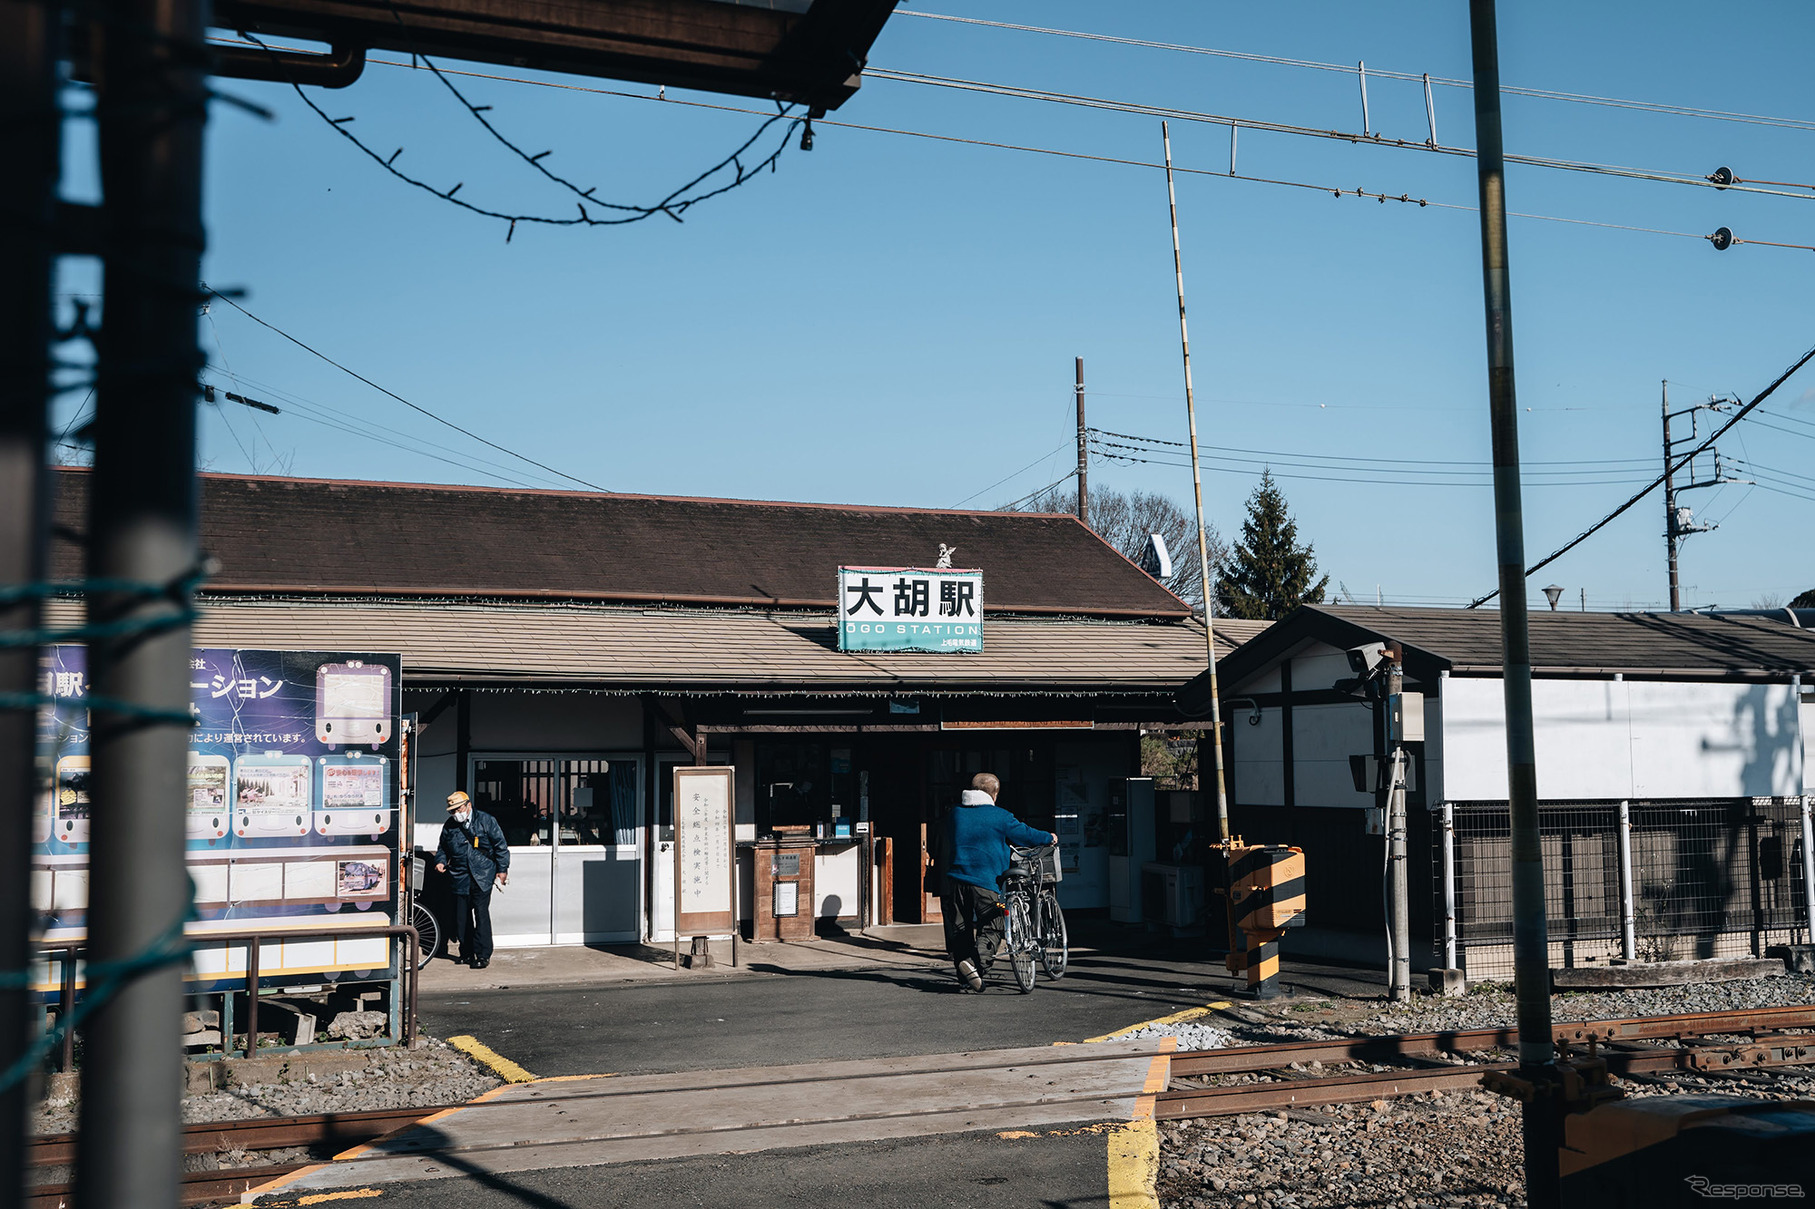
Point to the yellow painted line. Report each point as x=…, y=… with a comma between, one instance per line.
x=501, y=1066
x=1175, y=1018
x=1134, y=1150
x=278, y=1184
x=351, y=1194
x=284, y=1181
x=610, y=1074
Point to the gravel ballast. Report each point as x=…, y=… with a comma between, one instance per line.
x=301, y=1084
x=1460, y=1147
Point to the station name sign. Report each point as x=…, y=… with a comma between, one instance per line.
x=910, y=609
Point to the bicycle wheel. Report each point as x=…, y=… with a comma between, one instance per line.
x=429, y=929
x=1055, y=942
x=1020, y=944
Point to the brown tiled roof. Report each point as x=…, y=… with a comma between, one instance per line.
x=289, y=536
x=620, y=648
x=1679, y=645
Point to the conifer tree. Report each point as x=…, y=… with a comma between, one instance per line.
x=1269, y=574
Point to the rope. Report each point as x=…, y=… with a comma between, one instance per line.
x=105, y=980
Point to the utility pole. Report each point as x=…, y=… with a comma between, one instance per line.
x=30, y=139
x=1670, y=535
x=151, y=105
x=1531, y=947
x=1399, y=976
x=1679, y=522
x=1083, y=453
x=1197, y=492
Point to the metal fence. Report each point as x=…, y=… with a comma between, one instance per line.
x=1645, y=881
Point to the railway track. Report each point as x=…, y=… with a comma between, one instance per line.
x=324, y=1134
x=1426, y=1062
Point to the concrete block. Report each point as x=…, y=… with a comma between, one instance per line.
x=204, y=1076
x=1663, y=973
x=1797, y=959
x=1448, y=983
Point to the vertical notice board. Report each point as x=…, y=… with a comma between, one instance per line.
x=705, y=852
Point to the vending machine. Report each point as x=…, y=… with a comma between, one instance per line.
x=1131, y=844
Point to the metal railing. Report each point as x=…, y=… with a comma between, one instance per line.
x=253, y=939
x=1644, y=881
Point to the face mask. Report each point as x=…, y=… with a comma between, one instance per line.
x=463, y=817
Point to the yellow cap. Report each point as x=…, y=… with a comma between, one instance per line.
x=457, y=799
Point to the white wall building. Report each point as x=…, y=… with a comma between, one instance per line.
x=1671, y=757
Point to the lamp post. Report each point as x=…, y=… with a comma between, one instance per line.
x=1551, y=594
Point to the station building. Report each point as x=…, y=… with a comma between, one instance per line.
x=562, y=652
x=1673, y=781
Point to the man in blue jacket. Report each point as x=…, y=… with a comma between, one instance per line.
x=473, y=848
x=973, y=856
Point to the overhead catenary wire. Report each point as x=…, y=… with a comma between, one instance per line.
x=1059, y=153
x=1549, y=94
x=1682, y=461
x=466, y=432
x=1173, y=113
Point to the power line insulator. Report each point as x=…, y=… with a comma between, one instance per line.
x=1722, y=239
x=1722, y=177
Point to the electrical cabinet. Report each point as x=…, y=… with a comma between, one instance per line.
x=1130, y=844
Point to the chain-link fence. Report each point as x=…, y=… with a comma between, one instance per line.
x=1709, y=878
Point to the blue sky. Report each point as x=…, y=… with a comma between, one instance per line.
x=892, y=320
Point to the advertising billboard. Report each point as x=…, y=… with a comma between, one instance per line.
x=290, y=810
x=910, y=609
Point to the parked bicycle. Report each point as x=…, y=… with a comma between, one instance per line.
x=1034, y=926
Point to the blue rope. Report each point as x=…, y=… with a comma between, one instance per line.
x=92, y=702
x=176, y=590
x=105, y=980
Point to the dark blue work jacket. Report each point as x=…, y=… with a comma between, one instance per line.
x=474, y=854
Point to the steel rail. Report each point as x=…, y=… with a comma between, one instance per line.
x=1766, y=1049
x=259, y=1133
x=1253, y=1058
x=197, y=1188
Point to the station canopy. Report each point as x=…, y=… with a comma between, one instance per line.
x=809, y=52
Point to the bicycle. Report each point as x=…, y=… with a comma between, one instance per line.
x=1034, y=926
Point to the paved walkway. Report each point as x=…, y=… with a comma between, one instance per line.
x=900, y=946
x=585, y=1121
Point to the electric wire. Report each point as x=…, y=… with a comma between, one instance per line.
x=1017, y=474
x=342, y=421
x=1247, y=467
x=1737, y=416
x=1013, y=504
x=399, y=398
x=1173, y=113
x=1156, y=441
x=1548, y=94
x=1058, y=153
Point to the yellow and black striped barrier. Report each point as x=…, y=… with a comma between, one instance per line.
x=1266, y=891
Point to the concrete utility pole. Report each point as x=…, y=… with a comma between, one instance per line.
x=1399, y=977
x=1083, y=453
x=30, y=138
x=1670, y=537
x=1197, y=492
x=1531, y=940
x=152, y=106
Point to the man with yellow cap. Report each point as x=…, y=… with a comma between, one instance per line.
x=473, y=849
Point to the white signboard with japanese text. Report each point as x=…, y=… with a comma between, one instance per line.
x=910, y=609
x=705, y=851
